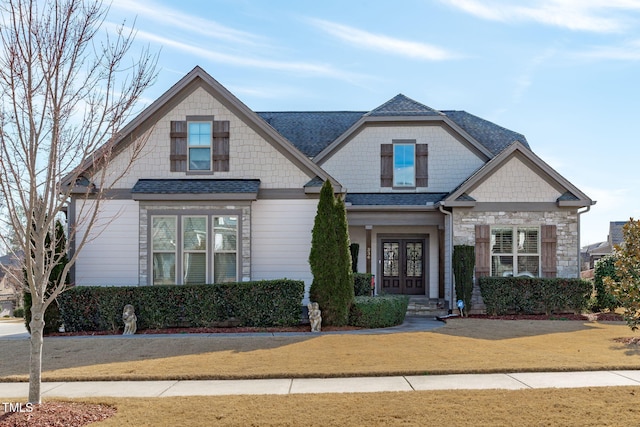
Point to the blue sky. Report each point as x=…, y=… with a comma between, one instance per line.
x=565, y=73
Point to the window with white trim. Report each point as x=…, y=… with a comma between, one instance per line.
x=200, y=138
x=194, y=249
x=515, y=251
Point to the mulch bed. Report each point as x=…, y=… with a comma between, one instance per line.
x=57, y=414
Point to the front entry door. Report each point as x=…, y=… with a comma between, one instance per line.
x=403, y=266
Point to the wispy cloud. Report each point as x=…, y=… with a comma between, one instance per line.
x=194, y=24
x=379, y=42
x=601, y=16
x=525, y=79
x=247, y=61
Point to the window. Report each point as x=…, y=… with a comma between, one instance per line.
x=200, y=137
x=199, y=145
x=515, y=251
x=404, y=156
x=404, y=164
x=163, y=242
x=184, y=253
x=225, y=229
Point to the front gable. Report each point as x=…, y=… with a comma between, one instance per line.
x=517, y=175
x=243, y=146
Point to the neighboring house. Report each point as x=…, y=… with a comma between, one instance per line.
x=223, y=193
x=10, y=286
x=592, y=253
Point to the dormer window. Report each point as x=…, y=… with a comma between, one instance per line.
x=200, y=139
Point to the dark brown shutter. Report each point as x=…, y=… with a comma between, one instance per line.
x=386, y=165
x=483, y=251
x=178, y=150
x=422, y=156
x=549, y=241
x=220, y=153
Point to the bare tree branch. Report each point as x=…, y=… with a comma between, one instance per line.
x=65, y=91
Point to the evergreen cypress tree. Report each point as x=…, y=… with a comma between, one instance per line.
x=330, y=260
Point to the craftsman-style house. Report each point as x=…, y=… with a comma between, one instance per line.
x=223, y=193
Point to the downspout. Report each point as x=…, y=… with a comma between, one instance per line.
x=449, y=255
x=588, y=208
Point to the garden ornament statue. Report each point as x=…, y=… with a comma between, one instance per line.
x=130, y=320
x=461, y=307
x=315, y=316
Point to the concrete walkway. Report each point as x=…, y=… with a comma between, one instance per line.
x=512, y=381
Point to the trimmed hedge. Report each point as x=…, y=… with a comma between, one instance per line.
x=525, y=295
x=378, y=312
x=362, y=284
x=260, y=303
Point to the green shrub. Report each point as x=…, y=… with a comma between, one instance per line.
x=260, y=303
x=330, y=259
x=604, y=300
x=464, y=260
x=525, y=295
x=354, y=249
x=379, y=311
x=18, y=312
x=362, y=284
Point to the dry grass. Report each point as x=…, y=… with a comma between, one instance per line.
x=610, y=406
x=462, y=346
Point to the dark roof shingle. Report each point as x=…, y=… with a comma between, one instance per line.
x=311, y=132
x=394, y=199
x=195, y=186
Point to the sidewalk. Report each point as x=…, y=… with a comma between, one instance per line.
x=512, y=381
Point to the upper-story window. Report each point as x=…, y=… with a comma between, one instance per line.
x=404, y=166
x=200, y=139
x=199, y=145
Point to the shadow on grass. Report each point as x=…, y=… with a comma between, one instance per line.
x=86, y=351
x=490, y=329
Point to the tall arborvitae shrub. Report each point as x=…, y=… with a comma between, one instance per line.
x=52, y=317
x=464, y=259
x=330, y=260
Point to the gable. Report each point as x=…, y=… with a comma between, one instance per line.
x=357, y=164
x=517, y=175
x=253, y=150
x=514, y=181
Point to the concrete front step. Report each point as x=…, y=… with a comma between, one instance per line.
x=425, y=307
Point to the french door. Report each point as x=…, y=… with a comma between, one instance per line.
x=403, y=265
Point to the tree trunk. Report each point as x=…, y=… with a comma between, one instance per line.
x=35, y=361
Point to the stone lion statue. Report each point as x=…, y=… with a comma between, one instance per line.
x=130, y=320
x=315, y=316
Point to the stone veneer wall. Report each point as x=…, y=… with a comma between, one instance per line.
x=566, y=222
x=244, y=238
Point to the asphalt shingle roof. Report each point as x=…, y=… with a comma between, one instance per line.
x=394, y=199
x=195, y=186
x=311, y=132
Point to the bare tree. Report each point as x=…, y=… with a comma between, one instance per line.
x=66, y=87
